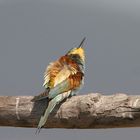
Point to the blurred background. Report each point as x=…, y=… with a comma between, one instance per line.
x=34, y=33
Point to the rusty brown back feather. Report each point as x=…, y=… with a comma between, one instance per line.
x=56, y=67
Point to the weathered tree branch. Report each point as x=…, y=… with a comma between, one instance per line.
x=85, y=111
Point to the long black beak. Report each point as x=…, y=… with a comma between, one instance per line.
x=82, y=42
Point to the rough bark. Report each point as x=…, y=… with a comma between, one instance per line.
x=83, y=112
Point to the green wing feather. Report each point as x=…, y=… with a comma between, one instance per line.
x=58, y=89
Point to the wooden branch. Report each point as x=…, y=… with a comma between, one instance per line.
x=85, y=111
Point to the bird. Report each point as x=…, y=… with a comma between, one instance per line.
x=63, y=78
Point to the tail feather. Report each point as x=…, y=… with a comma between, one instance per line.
x=59, y=98
x=41, y=96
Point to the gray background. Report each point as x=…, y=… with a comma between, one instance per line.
x=33, y=33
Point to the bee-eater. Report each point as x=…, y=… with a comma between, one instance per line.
x=62, y=79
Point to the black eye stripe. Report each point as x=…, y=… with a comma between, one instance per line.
x=74, y=56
